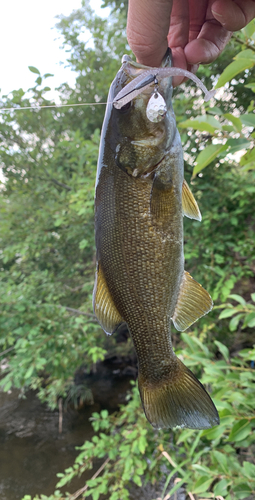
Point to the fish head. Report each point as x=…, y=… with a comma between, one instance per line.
x=139, y=144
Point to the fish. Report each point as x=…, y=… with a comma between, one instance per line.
x=140, y=200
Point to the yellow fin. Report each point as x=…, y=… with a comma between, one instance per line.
x=103, y=305
x=189, y=204
x=181, y=400
x=193, y=302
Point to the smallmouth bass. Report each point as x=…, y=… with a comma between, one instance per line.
x=141, y=197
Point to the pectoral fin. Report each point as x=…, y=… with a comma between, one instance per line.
x=189, y=204
x=103, y=305
x=162, y=203
x=193, y=302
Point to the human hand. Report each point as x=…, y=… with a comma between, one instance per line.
x=199, y=29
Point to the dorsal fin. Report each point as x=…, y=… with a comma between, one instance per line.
x=104, y=308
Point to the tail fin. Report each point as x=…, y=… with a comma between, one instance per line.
x=180, y=401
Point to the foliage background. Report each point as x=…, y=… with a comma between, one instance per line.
x=47, y=327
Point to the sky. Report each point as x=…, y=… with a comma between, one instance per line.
x=28, y=38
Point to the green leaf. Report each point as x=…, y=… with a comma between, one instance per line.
x=95, y=495
x=249, y=320
x=202, y=468
x=215, y=110
x=83, y=244
x=137, y=480
x=234, y=322
x=233, y=119
x=240, y=430
x=228, y=128
x=203, y=123
x=238, y=298
x=249, y=29
x=191, y=341
x=242, y=491
x=248, y=157
x=245, y=54
x=202, y=484
x=235, y=145
x=34, y=70
x=248, y=119
x=207, y=156
x=226, y=313
x=104, y=414
x=221, y=488
x=249, y=166
x=253, y=296
x=29, y=372
x=223, y=350
x=222, y=461
x=39, y=80
x=250, y=86
x=142, y=443
x=249, y=469
x=7, y=386
x=58, y=222
x=233, y=69
x=114, y=496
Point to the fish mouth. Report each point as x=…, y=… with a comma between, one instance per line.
x=166, y=61
x=133, y=69
x=127, y=59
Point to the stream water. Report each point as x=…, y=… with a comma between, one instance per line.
x=32, y=450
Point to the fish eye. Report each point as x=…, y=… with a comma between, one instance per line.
x=125, y=108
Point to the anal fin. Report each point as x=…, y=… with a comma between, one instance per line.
x=104, y=308
x=193, y=302
x=189, y=204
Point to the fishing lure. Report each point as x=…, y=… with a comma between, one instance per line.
x=156, y=107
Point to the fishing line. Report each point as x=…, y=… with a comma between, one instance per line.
x=53, y=106
x=132, y=89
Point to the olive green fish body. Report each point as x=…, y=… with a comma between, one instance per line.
x=140, y=277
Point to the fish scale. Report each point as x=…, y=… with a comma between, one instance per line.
x=135, y=270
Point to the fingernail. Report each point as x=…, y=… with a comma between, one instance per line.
x=218, y=17
x=216, y=13
x=194, y=68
